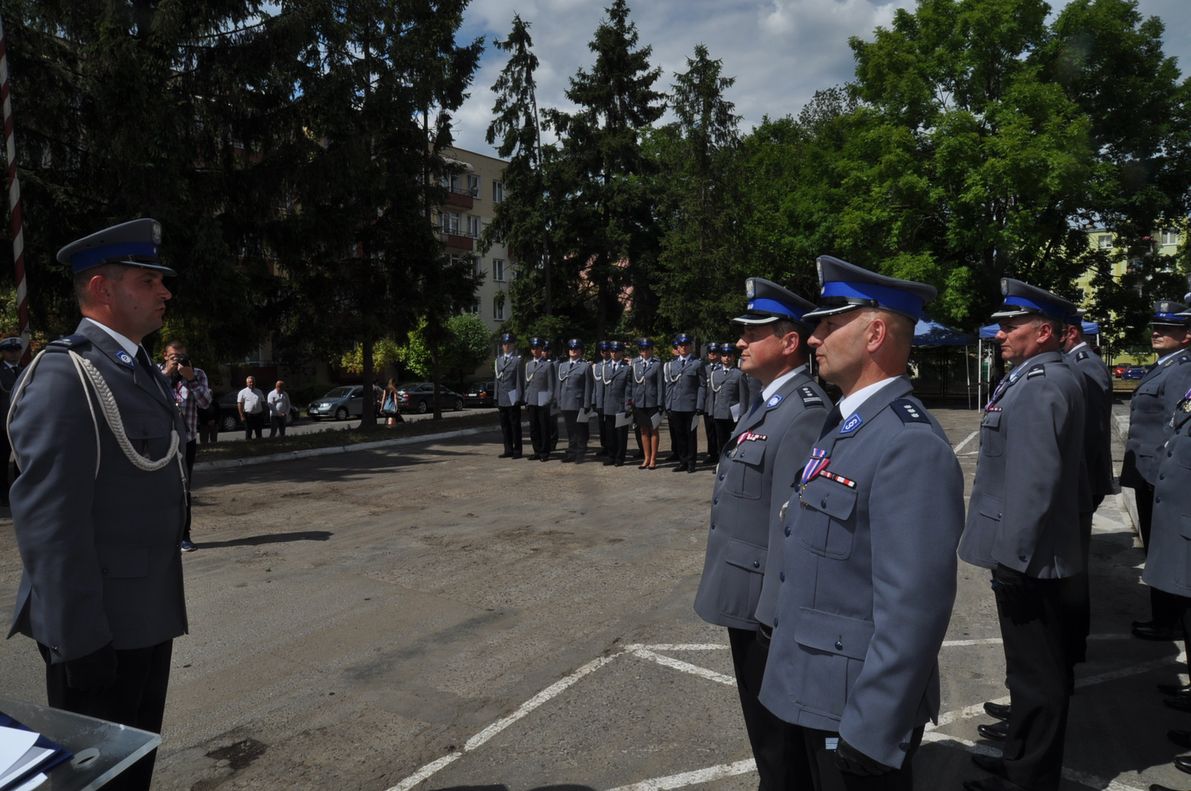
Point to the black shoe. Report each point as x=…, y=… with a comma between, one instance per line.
x=544, y=457
x=990, y=784
x=679, y=468
x=609, y=462
x=998, y=710
x=567, y=459
x=997, y=731
x=1149, y=630
x=505, y=455
x=990, y=764
x=620, y=462
x=1175, y=689
x=1183, y=763
x=690, y=468
x=515, y=456
x=1181, y=738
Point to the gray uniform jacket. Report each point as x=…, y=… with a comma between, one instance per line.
x=1024, y=510
x=99, y=550
x=648, y=389
x=869, y=578
x=508, y=378
x=614, y=386
x=1168, y=561
x=748, y=493
x=597, y=387
x=725, y=387
x=1097, y=445
x=1150, y=410
x=685, y=384
x=574, y=385
x=539, y=378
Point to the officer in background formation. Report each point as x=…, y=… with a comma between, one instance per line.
x=539, y=394
x=868, y=576
x=574, y=400
x=98, y=518
x=757, y=468
x=10, y=369
x=1150, y=409
x=1024, y=526
x=597, y=401
x=685, y=384
x=613, y=387
x=646, y=399
x=711, y=354
x=727, y=396
x=507, y=368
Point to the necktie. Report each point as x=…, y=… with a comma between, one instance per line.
x=142, y=358
x=833, y=419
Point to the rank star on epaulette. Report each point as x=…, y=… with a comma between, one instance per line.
x=1082, y=355
x=809, y=397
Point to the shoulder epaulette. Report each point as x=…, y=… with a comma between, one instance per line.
x=1081, y=355
x=1037, y=370
x=809, y=396
x=75, y=342
x=908, y=411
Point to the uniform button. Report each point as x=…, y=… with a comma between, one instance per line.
x=781, y=576
x=713, y=527
x=775, y=622
x=1162, y=477
x=716, y=501
x=1157, y=499
x=756, y=564
x=839, y=646
x=1021, y=557
x=721, y=477
x=823, y=503
x=787, y=532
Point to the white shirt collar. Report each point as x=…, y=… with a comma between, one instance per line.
x=1077, y=347
x=124, y=342
x=1161, y=360
x=849, y=404
x=776, y=384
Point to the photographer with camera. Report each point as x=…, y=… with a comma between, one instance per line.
x=191, y=393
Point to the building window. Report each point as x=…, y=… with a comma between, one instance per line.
x=473, y=185
x=450, y=222
x=1170, y=237
x=498, y=307
x=498, y=191
x=1104, y=241
x=473, y=226
x=498, y=270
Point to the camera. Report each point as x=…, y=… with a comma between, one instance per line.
x=182, y=360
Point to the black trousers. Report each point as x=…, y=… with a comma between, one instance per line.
x=713, y=440
x=683, y=442
x=723, y=433
x=578, y=433
x=1077, y=599
x=276, y=425
x=828, y=777
x=1164, y=609
x=254, y=423
x=191, y=451
x=777, y=745
x=600, y=429
x=136, y=699
x=617, y=438
x=510, y=428
x=1038, y=674
x=540, y=423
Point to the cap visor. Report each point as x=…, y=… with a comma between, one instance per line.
x=1012, y=314
x=165, y=270
x=756, y=318
x=834, y=310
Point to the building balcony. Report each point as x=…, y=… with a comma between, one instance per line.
x=461, y=200
x=456, y=241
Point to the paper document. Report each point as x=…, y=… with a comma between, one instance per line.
x=656, y=420
x=514, y=396
x=584, y=415
x=543, y=399
x=14, y=743
x=623, y=419
x=735, y=410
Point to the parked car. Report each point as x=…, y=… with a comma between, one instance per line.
x=229, y=415
x=418, y=397
x=1118, y=371
x=480, y=393
x=341, y=403
x=1134, y=372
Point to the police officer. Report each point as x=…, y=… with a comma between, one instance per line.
x=574, y=395
x=1150, y=410
x=539, y=394
x=647, y=397
x=98, y=514
x=613, y=383
x=685, y=395
x=711, y=357
x=1023, y=525
x=868, y=575
x=756, y=471
x=727, y=395
x=507, y=368
x=10, y=368
x=597, y=393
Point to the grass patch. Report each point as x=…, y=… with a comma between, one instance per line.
x=333, y=436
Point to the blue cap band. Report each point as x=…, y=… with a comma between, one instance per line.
x=85, y=259
x=885, y=296
x=774, y=307
x=1039, y=306
x=1173, y=318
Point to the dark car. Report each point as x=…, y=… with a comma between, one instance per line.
x=419, y=397
x=1134, y=372
x=229, y=415
x=341, y=403
x=480, y=393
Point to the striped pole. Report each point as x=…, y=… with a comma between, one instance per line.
x=16, y=224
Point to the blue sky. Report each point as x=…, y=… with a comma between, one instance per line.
x=779, y=51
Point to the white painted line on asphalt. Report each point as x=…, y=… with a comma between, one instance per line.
x=547, y=694
x=692, y=778
x=1082, y=778
x=676, y=647
x=684, y=667
x=966, y=440
x=997, y=640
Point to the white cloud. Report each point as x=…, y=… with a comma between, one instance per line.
x=779, y=51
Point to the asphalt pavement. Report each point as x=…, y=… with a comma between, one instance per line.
x=432, y=617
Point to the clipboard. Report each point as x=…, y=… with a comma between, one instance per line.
x=655, y=420
x=544, y=398
x=623, y=419
x=735, y=410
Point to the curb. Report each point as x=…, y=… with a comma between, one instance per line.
x=333, y=450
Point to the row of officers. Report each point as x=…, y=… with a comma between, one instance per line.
x=620, y=393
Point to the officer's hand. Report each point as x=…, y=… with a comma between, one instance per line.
x=854, y=762
x=699, y=412
x=1009, y=585
x=93, y=672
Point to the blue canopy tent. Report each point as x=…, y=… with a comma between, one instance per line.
x=930, y=334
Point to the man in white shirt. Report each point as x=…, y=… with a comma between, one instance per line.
x=251, y=404
x=279, y=407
